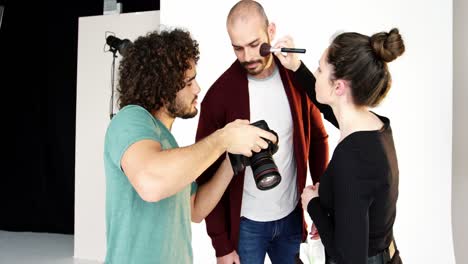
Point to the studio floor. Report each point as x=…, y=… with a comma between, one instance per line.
x=37, y=248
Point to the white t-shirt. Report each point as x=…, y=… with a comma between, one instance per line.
x=269, y=102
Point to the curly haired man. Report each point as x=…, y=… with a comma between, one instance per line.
x=151, y=194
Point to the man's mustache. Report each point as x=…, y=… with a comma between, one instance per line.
x=247, y=63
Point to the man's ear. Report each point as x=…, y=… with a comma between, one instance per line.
x=271, y=31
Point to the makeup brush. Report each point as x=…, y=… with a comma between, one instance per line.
x=266, y=49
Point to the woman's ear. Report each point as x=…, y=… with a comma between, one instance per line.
x=341, y=87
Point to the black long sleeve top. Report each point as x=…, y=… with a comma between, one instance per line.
x=356, y=207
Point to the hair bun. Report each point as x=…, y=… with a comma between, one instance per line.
x=387, y=46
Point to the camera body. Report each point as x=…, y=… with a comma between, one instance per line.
x=265, y=171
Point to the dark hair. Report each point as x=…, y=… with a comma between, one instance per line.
x=362, y=61
x=153, y=68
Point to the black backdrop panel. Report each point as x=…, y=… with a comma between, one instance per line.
x=38, y=57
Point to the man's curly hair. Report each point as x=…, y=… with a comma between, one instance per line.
x=153, y=68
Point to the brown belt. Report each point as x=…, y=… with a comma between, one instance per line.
x=385, y=255
x=389, y=252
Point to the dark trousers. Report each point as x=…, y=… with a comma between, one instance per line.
x=280, y=239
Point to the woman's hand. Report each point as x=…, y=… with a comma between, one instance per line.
x=309, y=193
x=289, y=60
x=314, y=234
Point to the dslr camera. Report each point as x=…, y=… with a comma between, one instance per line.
x=265, y=171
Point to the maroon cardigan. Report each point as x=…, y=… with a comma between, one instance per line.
x=228, y=100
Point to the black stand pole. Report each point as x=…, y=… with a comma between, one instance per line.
x=111, y=103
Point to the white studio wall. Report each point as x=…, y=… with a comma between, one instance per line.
x=419, y=104
x=92, y=118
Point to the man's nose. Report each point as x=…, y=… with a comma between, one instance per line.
x=250, y=54
x=196, y=87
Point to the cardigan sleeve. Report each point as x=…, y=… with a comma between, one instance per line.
x=210, y=120
x=318, y=149
x=318, y=155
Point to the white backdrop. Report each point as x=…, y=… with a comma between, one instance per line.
x=419, y=104
x=92, y=118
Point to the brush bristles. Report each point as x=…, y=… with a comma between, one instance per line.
x=265, y=49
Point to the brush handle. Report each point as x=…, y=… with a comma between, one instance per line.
x=293, y=50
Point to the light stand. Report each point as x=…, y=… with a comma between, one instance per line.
x=121, y=46
x=111, y=103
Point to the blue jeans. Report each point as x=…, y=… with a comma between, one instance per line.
x=280, y=239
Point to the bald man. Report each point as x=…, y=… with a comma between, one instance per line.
x=249, y=223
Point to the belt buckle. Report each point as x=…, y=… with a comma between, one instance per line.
x=391, y=249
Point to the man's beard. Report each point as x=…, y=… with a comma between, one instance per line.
x=255, y=71
x=263, y=63
x=176, y=109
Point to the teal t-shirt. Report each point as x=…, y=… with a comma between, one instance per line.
x=137, y=231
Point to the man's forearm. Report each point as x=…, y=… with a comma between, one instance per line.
x=169, y=171
x=209, y=194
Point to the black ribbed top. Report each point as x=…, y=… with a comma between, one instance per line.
x=356, y=207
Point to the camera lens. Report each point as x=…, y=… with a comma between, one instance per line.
x=264, y=170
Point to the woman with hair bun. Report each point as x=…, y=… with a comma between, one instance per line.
x=354, y=208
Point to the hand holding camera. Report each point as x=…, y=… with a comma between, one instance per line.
x=264, y=169
x=239, y=137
